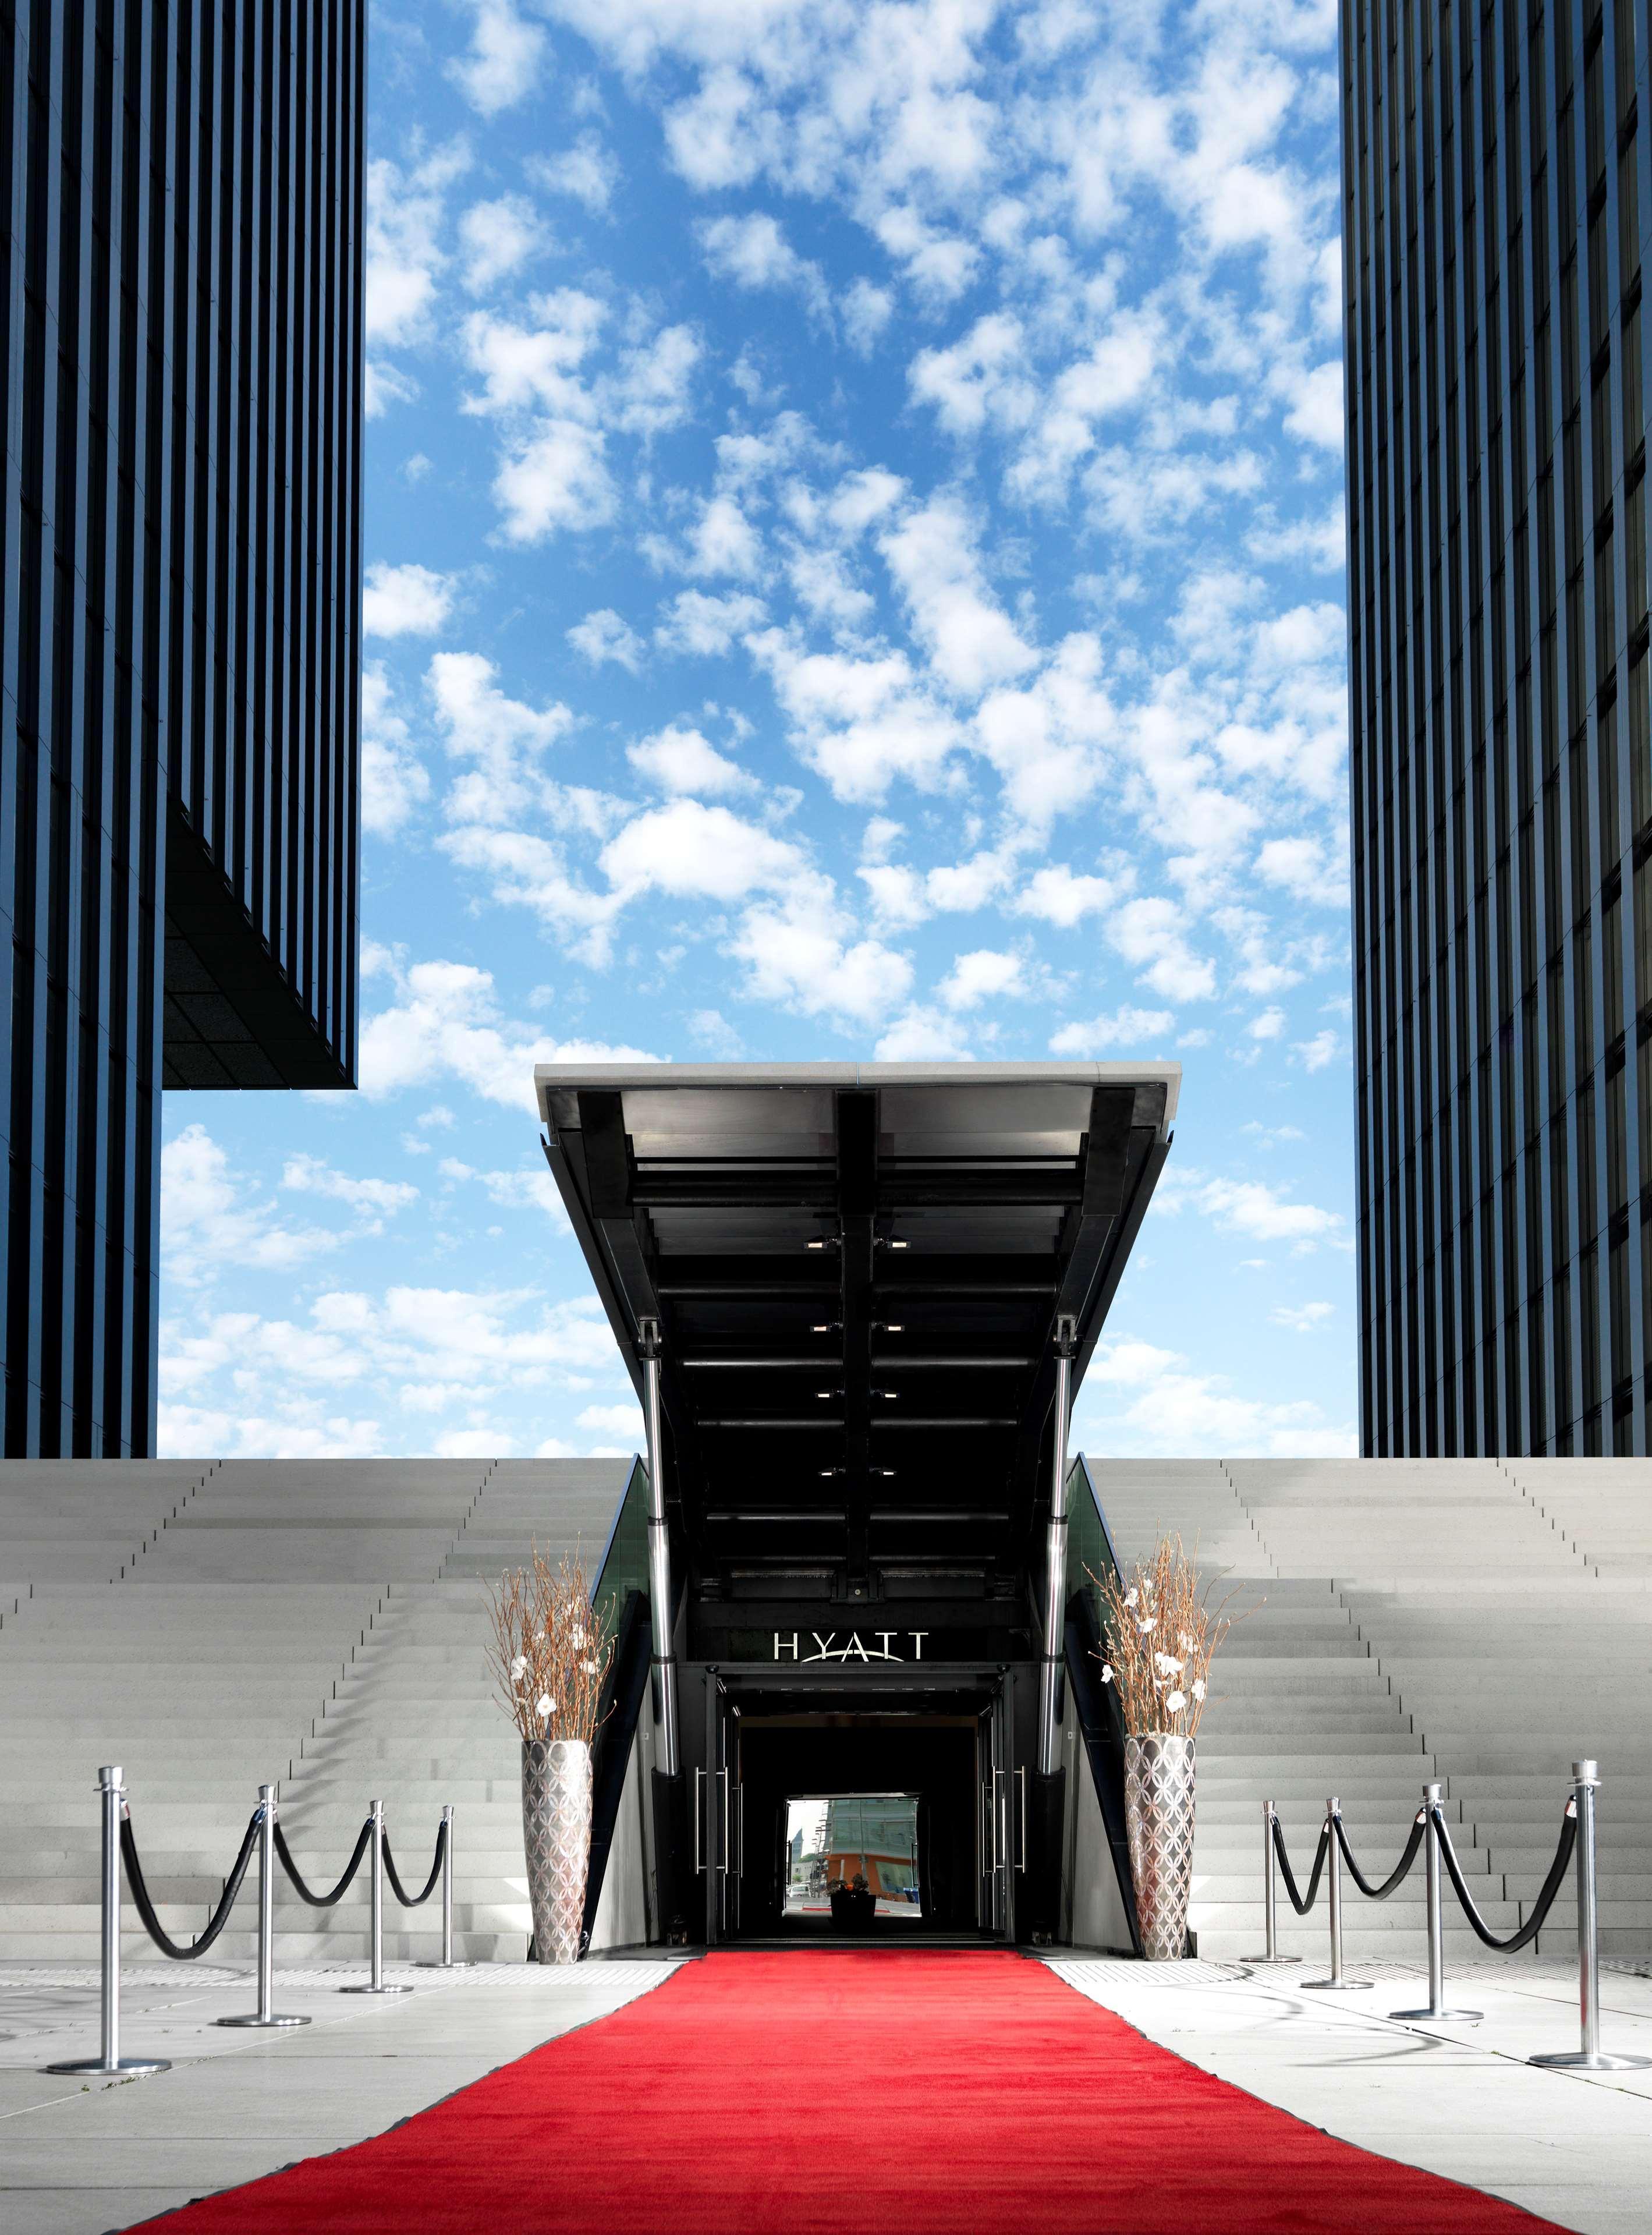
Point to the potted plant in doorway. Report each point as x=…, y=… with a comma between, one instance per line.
x=549, y=1658
x=1160, y=1640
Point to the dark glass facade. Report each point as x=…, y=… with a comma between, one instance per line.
x=1497, y=193
x=180, y=514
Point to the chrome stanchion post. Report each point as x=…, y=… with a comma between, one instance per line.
x=447, y=1889
x=446, y=1962
x=375, y=1981
x=1432, y=1795
x=1336, y=1984
x=1588, y=2057
x=112, y=1797
x=1269, y=1894
x=265, y=2014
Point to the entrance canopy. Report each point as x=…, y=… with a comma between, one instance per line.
x=859, y=1274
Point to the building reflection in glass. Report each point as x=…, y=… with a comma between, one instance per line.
x=852, y=1858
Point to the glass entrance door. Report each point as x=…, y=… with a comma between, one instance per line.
x=996, y=1819
x=722, y=1832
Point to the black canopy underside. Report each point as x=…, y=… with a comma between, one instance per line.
x=859, y=1272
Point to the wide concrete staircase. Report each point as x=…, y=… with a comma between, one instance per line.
x=214, y=1627
x=1404, y=1621
x=413, y=1720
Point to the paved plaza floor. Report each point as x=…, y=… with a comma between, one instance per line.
x=82, y=2159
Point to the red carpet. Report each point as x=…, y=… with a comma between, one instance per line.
x=853, y=2094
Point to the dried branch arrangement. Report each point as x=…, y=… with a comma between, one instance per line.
x=1160, y=1640
x=551, y=1649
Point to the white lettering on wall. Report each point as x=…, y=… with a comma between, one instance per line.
x=827, y=1650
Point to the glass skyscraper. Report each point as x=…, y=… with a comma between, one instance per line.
x=1497, y=193
x=179, y=513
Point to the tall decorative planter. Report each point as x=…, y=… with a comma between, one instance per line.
x=550, y=1654
x=1159, y=1638
x=556, y=1834
x=1159, y=1770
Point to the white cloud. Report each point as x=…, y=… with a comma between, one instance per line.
x=923, y=1036
x=623, y=1421
x=1139, y=1399
x=554, y=476
x=1140, y=1029
x=498, y=238
x=973, y=643
x=212, y=1220
x=1307, y=868
x=372, y=1200
x=693, y=850
x=800, y=952
x=699, y=623
x=984, y=975
x=405, y=212
x=1316, y=1054
x=502, y=65
x=407, y=600
x=1303, y=1318
x=604, y=636
x=1317, y=408
x=1251, y=1208
x=502, y=740
x=1152, y=934
x=512, y=1190
x=556, y=410
x=1060, y=897
x=585, y=172
x=866, y=310
x=754, y=252
x=445, y=1025
x=261, y=1384
x=394, y=781
x=685, y=761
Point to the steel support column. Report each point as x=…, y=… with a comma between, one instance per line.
x=660, y=1574
x=1055, y=1560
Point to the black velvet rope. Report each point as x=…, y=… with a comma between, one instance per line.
x=1297, y=1902
x=1400, y=1871
x=1552, y=1884
x=145, y=1907
x=304, y=1892
x=413, y=1901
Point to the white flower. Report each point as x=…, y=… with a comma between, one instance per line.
x=1130, y=1598
x=1107, y=1672
x=1146, y=1622
x=518, y=1668
x=1198, y=1688
x=545, y=1707
x=1176, y=1702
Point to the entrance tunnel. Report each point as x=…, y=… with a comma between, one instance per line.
x=856, y=1676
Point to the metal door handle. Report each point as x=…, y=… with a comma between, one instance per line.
x=700, y=1858
x=1021, y=1776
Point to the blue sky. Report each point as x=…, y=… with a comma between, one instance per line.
x=854, y=525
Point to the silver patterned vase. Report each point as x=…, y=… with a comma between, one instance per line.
x=556, y=1833
x=1158, y=1812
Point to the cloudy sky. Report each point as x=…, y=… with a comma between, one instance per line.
x=855, y=537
